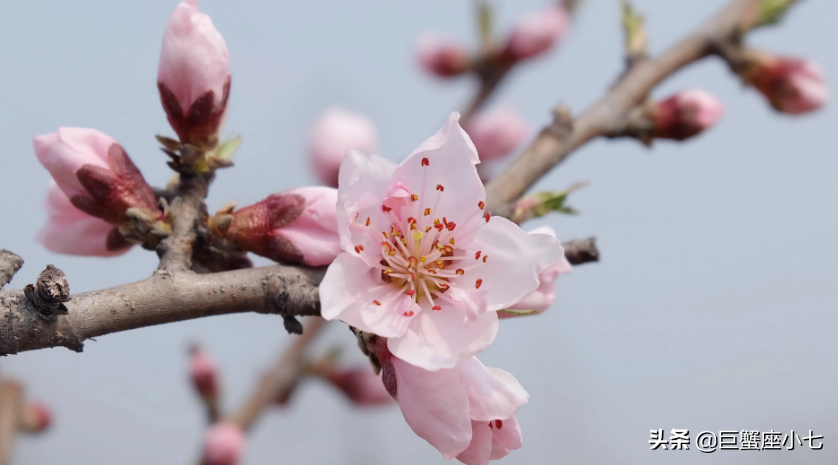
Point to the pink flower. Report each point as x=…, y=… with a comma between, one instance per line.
x=72, y=231
x=203, y=374
x=497, y=132
x=792, y=85
x=361, y=386
x=224, y=444
x=194, y=75
x=334, y=133
x=35, y=417
x=441, y=56
x=95, y=173
x=422, y=263
x=467, y=411
x=535, y=33
x=686, y=114
x=296, y=226
x=541, y=298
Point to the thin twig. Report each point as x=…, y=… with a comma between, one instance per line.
x=9, y=265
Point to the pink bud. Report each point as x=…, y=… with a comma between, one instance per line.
x=535, y=33
x=194, y=75
x=497, y=132
x=544, y=296
x=95, y=173
x=224, y=444
x=332, y=134
x=296, y=226
x=792, y=85
x=362, y=386
x=71, y=231
x=686, y=114
x=441, y=56
x=36, y=417
x=203, y=374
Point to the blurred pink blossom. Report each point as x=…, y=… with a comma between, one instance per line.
x=362, y=386
x=441, y=55
x=332, y=134
x=686, y=114
x=541, y=298
x=203, y=374
x=497, y=132
x=224, y=444
x=537, y=32
x=792, y=85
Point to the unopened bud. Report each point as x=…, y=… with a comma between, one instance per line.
x=685, y=114
x=332, y=134
x=361, y=386
x=224, y=444
x=791, y=85
x=441, y=56
x=537, y=32
x=496, y=133
x=296, y=226
x=35, y=417
x=194, y=76
x=203, y=374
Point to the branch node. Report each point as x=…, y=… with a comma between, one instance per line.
x=10, y=263
x=49, y=293
x=581, y=251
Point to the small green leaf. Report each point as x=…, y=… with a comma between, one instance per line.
x=228, y=148
x=772, y=11
x=519, y=312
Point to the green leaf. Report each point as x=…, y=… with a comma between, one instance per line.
x=518, y=312
x=228, y=148
x=772, y=11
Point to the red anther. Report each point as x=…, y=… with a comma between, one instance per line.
x=460, y=272
x=385, y=208
x=481, y=205
x=414, y=197
x=408, y=313
x=368, y=221
x=477, y=255
x=485, y=257
x=425, y=162
x=498, y=424
x=488, y=216
x=478, y=283
x=436, y=307
x=376, y=302
x=439, y=226
x=359, y=249
x=440, y=187
x=411, y=293
x=451, y=226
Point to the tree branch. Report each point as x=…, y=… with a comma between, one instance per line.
x=9, y=264
x=162, y=298
x=186, y=210
x=579, y=251
x=11, y=402
x=554, y=144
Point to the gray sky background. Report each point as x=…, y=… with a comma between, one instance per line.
x=713, y=306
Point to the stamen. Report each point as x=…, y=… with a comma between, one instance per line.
x=427, y=211
x=411, y=293
x=451, y=240
x=408, y=313
x=480, y=205
x=376, y=302
x=422, y=259
x=485, y=257
x=368, y=221
x=385, y=208
x=414, y=197
x=359, y=249
x=460, y=272
x=386, y=234
x=425, y=162
x=477, y=255
x=478, y=283
x=440, y=187
x=488, y=216
x=451, y=226
x=440, y=263
x=499, y=424
x=437, y=307
x=411, y=262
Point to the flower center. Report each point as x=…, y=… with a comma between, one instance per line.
x=421, y=253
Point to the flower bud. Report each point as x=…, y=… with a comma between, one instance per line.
x=95, y=173
x=35, y=417
x=296, y=226
x=332, y=134
x=441, y=56
x=194, y=76
x=792, y=85
x=535, y=33
x=72, y=231
x=224, y=444
x=685, y=114
x=361, y=386
x=203, y=374
x=497, y=132
x=540, y=299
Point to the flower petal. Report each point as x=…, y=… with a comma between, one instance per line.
x=480, y=449
x=493, y=393
x=435, y=406
x=506, y=439
x=314, y=232
x=515, y=259
x=439, y=339
x=349, y=292
x=360, y=173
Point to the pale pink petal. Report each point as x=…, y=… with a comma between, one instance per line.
x=194, y=57
x=544, y=296
x=451, y=159
x=71, y=231
x=535, y=33
x=435, y=406
x=441, y=55
x=224, y=444
x=334, y=133
x=314, y=232
x=479, y=450
x=493, y=393
x=506, y=438
x=515, y=260
x=62, y=153
x=361, y=175
x=438, y=339
x=349, y=292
